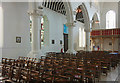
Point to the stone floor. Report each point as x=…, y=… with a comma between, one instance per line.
x=112, y=77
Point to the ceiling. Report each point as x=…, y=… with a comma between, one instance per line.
x=55, y=5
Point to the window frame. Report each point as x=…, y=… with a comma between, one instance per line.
x=110, y=14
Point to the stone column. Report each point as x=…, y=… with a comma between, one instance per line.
x=119, y=45
x=87, y=40
x=118, y=26
x=36, y=27
x=70, y=38
x=92, y=44
x=35, y=35
x=112, y=44
x=101, y=44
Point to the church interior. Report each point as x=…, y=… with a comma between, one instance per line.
x=55, y=41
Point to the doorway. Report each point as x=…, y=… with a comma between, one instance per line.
x=65, y=42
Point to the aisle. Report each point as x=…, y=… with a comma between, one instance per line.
x=113, y=75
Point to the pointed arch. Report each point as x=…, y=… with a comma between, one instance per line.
x=85, y=17
x=95, y=22
x=69, y=12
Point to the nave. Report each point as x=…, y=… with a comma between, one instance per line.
x=84, y=67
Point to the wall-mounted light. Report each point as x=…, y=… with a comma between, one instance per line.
x=97, y=21
x=78, y=10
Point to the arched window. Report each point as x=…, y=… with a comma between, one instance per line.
x=30, y=29
x=110, y=19
x=42, y=31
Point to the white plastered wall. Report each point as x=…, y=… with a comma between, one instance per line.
x=105, y=7
x=56, y=22
x=16, y=24
x=106, y=45
x=1, y=30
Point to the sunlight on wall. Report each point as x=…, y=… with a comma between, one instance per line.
x=81, y=37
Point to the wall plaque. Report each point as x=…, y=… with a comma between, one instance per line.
x=18, y=39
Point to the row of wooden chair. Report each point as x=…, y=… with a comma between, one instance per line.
x=52, y=68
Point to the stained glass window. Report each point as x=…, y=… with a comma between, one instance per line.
x=42, y=31
x=30, y=29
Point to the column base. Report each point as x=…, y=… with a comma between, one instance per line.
x=35, y=54
x=71, y=51
x=88, y=50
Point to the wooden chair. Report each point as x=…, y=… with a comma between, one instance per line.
x=25, y=75
x=16, y=74
x=35, y=76
x=4, y=60
x=89, y=74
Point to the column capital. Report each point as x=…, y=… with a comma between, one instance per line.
x=70, y=24
x=36, y=12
